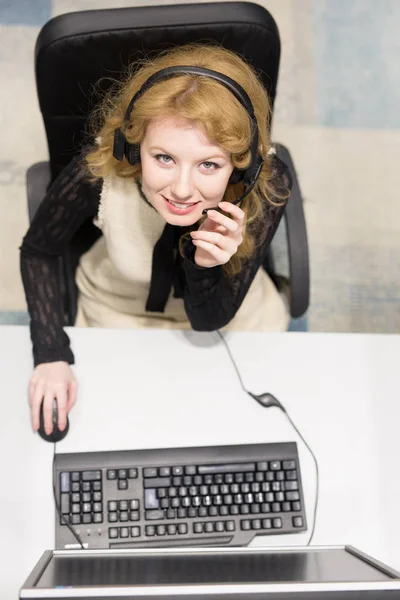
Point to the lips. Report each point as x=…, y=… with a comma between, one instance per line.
x=180, y=208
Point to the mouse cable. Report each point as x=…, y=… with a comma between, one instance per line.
x=62, y=518
x=275, y=402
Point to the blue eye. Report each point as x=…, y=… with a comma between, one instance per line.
x=209, y=166
x=164, y=158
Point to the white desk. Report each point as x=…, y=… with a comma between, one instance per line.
x=141, y=389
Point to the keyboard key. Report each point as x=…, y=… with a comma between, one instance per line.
x=134, y=515
x=277, y=523
x=86, y=486
x=86, y=497
x=132, y=474
x=76, y=519
x=275, y=465
x=75, y=476
x=153, y=515
x=150, y=472
x=124, y=532
x=112, y=505
x=172, y=529
x=97, y=507
x=262, y=466
x=123, y=505
x=161, y=530
x=182, y=528
x=296, y=506
x=177, y=471
x=86, y=507
x=171, y=514
x=280, y=475
x=229, y=468
x=134, y=505
x=291, y=475
x=111, y=474
x=123, y=516
x=151, y=499
x=230, y=525
x=297, y=521
x=64, y=482
x=256, y=524
x=112, y=517
x=291, y=485
x=288, y=465
x=135, y=531
x=76, y=508
x=96, y=486
x=164, y=471
x=113, y=532
x=150, y=530
x=292, y=495
x=197, y=527
x=209, y=527
x=245, y=525
x=75, y=487
x=86, y=518
x=91, y=475
x=97, y=496
x=266, y=523
x=122, y=484
x=122, y=473
x=97, y=518
x=65, y=504
x=190, y=470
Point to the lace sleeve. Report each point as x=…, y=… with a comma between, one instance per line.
x=211, y=297
x=71, y=200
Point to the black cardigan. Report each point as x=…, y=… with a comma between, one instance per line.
x=211, y=298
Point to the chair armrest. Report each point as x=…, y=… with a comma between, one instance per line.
x=297, y=244
x=37, y=181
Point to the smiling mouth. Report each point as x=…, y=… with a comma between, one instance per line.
x=181, y=204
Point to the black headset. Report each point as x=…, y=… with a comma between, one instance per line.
x=122, y=148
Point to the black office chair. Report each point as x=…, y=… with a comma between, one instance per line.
x=76, y=50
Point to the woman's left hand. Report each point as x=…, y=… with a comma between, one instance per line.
x=219, y=236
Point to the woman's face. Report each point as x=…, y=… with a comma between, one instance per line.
x=182, y=171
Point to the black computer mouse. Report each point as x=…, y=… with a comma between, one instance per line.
x=56, y=435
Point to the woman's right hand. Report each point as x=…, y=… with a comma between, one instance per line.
x=49, y=381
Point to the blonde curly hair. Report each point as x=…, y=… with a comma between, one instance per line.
x=205, y=103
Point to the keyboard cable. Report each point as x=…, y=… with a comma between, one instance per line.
x=267, y=400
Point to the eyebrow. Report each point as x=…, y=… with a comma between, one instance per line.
x=209, y=157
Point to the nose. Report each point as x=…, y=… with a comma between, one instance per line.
x=182, y=185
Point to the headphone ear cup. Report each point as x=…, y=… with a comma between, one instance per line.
x=236, y=176
x=132, y=153
x=119, y=144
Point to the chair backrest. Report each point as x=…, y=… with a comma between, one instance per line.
x=76, y=50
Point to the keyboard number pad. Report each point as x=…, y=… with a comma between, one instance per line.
x=81, y=497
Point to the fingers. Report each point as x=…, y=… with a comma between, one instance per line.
x=212, y=237
x=72, y=391
x=62, y=403
x=48, y=410
x=221, y=256
x=36, y=391
x=234, y=210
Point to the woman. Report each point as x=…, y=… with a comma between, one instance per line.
x=163, y=162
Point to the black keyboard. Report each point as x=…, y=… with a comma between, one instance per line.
x=215, y=495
